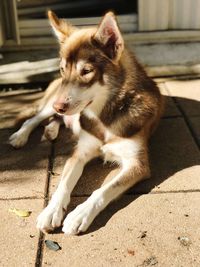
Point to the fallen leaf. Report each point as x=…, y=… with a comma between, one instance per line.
x=52, y=245
x=20, y=213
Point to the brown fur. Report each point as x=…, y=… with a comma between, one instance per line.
x=134, y=102
x=93, y=126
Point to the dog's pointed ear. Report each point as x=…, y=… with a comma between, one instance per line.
x=108, y=36
x=61, y=28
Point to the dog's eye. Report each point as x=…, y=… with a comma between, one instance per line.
x=86, y=71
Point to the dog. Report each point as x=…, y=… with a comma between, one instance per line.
x=112, y=106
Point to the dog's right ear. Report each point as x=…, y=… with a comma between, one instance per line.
x=62, y=29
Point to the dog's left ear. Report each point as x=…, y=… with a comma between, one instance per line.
x=108, y=36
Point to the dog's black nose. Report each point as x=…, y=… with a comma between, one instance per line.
x=60, y=107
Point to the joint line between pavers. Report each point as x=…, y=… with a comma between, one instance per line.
x=49, y=173
x=164, y=192
x=187, y=121
x=147, y=193
x=21, y=198
x=185, y=117
x=39, y=254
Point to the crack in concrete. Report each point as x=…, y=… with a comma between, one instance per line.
x=21, y=198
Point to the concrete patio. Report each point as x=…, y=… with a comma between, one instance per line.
x=156, y=223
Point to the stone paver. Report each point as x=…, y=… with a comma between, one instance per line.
x=23, y=172
x=187, y=94
x=133, y=231
x=170, y=109
x=11, y=104
x=19, y=237
x=174, y=159
x=139, y=229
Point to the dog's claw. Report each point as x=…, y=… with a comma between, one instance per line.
x=79, y=219
x=49, y=219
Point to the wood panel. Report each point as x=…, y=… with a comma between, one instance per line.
x=169, y=14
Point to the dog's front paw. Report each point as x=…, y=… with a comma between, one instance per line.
x=79, y=219
x=50, y=218
x=18, y=139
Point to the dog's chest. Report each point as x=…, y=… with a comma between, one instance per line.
x=69, y=121
x=72, y=122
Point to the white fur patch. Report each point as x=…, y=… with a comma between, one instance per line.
x=100, y=96
x=122, y=150
x=20, y=138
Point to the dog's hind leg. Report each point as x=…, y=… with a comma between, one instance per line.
x=134, y=167
x=20, y=138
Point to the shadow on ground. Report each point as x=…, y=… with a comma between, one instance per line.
x=172, y=149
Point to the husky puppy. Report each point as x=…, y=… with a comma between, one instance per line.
x=110, y=103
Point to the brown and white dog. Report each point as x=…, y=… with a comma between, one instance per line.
x=112, y=106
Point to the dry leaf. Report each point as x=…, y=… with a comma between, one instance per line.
x=131, y=252
x=20, y=213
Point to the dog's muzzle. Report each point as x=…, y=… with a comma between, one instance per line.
x=61, y=107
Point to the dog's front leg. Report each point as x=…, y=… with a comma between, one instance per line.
x=20, y=138
x=52, y=216
x=133, y=169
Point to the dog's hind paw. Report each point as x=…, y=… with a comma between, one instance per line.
x=49, y=219
x=18, y=139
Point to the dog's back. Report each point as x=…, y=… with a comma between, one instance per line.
x=136, y=103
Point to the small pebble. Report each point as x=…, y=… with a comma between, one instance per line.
x=52, y=245
x=184, y=240
x=150, y=261
x=144, y=234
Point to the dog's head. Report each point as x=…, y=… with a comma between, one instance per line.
x=87, y=58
